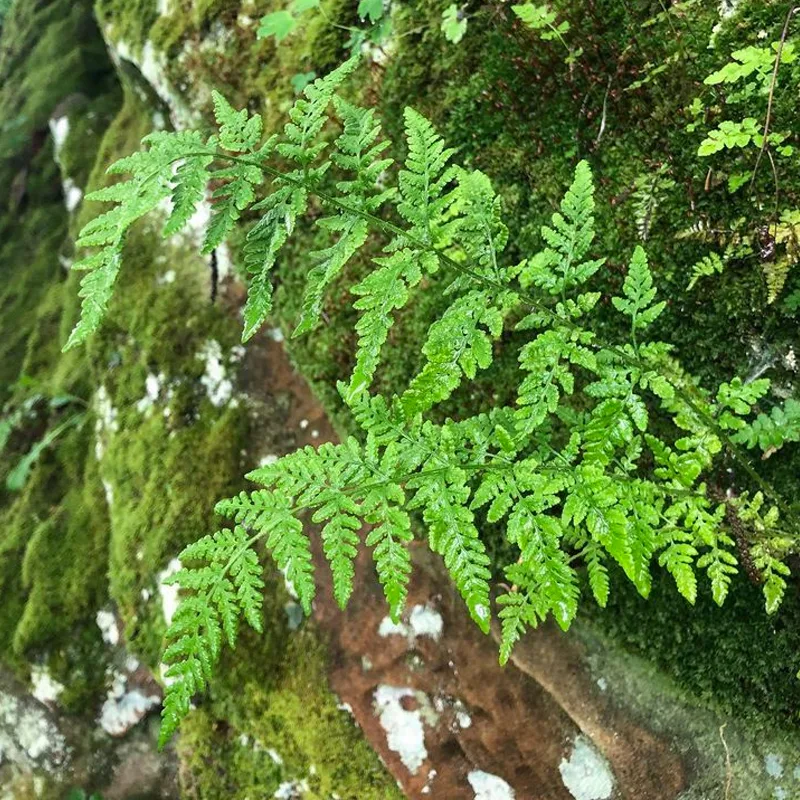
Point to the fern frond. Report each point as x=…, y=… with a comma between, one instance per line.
x=639, y=293
x=224, y=581
x=153, y=172
x=357, y=152
x=383, y=291
x=390, y=536
x=425, y=203
x=560, y=266
x=453, y=535
x=310, y=113
x=776, y=274
x=270, y=515
x=190, y=181
x=517, y=614
x=543, y=571
x=340, y=541
x=458, y=344
x=229, y=201
x=239, y=132
x=480, y=227
x=261, y=248
x=707, y=265
x=771, y=431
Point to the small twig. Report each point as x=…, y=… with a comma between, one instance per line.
x=773, y=82
x=728, y=768
x=603, y=118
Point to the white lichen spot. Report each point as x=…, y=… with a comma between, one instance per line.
x=291, y=790
x=72, y=195
x=288, y=583
x=779, y=793
x=131, y=664
x=109, y=629
x=303, y=424
x=773, y=765
x=463, y=719
x=108, y=489
x=602, y=684
x=426, y=621
x=152, y=391
x=168, y=591
x=489, y=787
x=28, y=738
x=59, y=129
x=345, y=707
x=122, y=709
x=162, y=6
x=153, y=66
x=405, y=733
x=107, y=422
x=167, y=278
x=276, y=334
x=422, y=621
x=224, y=262
x=215, y=379
x=586, y=774
x=390, y=628
x=267, y=460
x=727, y=8
x=275, y=756
x=43, y=686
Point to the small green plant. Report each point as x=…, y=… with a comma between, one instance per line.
x=574, y=470
x=541, y=17
x=24, y=414
x=454, y=23
x=751, y=79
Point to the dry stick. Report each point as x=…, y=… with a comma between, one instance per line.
x=773, y=82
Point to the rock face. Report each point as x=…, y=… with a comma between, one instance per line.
x=449, y=722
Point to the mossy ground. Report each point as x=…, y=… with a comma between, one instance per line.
x=271, y=721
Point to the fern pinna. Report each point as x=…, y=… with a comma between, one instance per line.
x=577, y=485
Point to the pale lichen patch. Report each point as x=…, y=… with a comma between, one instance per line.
x=405, y=732
x=489, y=787
x=586, y=774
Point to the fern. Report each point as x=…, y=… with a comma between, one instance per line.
x=575, y=482
x=225, y=586
x=708, y=265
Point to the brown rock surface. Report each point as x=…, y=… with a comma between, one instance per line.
x=430, y=695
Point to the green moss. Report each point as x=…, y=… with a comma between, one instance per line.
x=270, y=720
x=127, y=20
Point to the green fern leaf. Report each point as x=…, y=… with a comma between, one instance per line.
x=453, y=535
x=390, y=537
x=238, y=131
x=560, y=266
x=516, y=615
x=223, y=583
x=639, y=293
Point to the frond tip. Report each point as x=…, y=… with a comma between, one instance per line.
x=221, y=584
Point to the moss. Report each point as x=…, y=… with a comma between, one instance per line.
x=271, y=720
x=737, y=659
